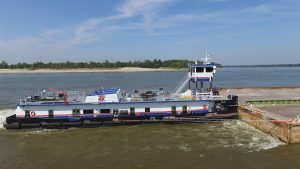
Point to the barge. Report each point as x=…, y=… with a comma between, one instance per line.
x=193, y=100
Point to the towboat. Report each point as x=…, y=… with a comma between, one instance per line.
x=193, y=100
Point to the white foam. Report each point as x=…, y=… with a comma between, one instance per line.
x=43, y=131
x=259, y=140
x=5, y=113
x=184, y=147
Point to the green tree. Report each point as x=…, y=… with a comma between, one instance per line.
x=4, y=65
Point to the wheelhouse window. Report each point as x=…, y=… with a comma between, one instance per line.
x=147, y=109
x=50, y=113
x=199, y=69
x=61, y=95
x=76, y=112
x=209, y=69
x=104, y=110
x=88, y=111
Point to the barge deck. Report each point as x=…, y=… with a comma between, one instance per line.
x=273, y=110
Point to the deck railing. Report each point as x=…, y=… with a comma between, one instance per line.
x=268, y=102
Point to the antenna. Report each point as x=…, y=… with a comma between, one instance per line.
x=205, y=60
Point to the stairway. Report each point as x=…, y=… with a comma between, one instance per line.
x=181, y=85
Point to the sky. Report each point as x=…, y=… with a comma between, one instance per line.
x=234, y=32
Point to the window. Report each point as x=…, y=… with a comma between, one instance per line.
x=27, y=113
x=115, y=111
x=132, y=111
x=61, y=95
x=50, y=114
x=184, y=109
x=147, y=109
x=173, y=110
x=104, y=110
x=88, y=111
x=76, y=112
x=199, y=69
x=123, y=112
x=209, y=69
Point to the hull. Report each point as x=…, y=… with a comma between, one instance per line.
x=120, y=113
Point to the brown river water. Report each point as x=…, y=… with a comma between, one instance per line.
x=228, y=144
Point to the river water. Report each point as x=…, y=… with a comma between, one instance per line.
x=229, y=144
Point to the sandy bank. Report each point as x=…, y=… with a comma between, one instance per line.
x=125, y=69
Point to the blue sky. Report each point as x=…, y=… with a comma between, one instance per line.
x=233, y=31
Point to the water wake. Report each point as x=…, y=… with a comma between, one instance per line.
x=5, y=113
x=251, y=139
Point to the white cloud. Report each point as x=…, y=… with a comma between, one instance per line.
x=148, y=9
x=141, y=7
x=149, y=19
x=50, y=33
x=93, y=29
x=222, y=18
x=217, y=0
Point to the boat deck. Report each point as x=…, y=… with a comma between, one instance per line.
x=273, y=110
x=281, y=111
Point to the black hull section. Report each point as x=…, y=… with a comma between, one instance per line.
x=226, y=109
x=20, y=123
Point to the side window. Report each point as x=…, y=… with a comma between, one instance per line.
x=104, y=110
x=27, y=113
x=76, y=112
x=50, y=113
x=132, y=111
x=88, y=111
x=184, y=108
x=124, y=112
x=115, y=111
x=173, y=110
x=147, y=109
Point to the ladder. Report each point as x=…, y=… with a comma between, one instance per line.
x=181, y=85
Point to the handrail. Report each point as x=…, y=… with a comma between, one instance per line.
x=181, y=85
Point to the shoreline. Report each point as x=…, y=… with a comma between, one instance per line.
x=87, y=70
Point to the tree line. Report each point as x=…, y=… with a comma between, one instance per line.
x=155, y=63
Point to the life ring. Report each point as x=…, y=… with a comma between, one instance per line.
x=219, y=107
x=32, y=113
